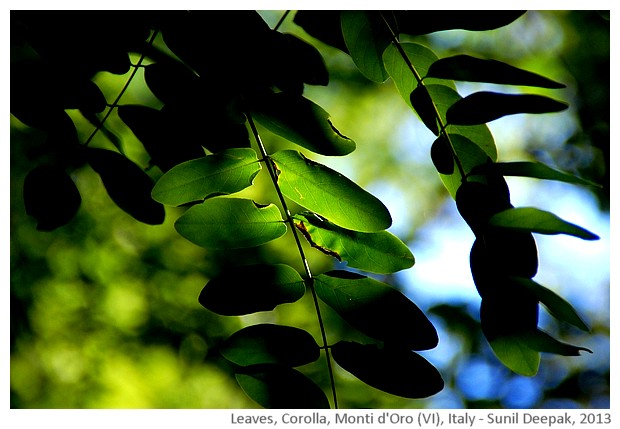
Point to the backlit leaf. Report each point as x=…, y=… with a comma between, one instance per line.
x=543, y=342
x=472, y=69
x=485, y=106
x=535, y=170
x=276, y=386
x=399, y=372
x=366, y=38
x=225, y=172
x=538, y=221
x=51, y=197
x=469, y=154
x=230, y=223
x=302, y=122
x=377, y=252
x=329, y=193
x=268, y=343
x=323, y=25
x=420, y=58
x=376, y=309
x=515, y=353
x=252, y=288
x=127, y=185
x=556, y=305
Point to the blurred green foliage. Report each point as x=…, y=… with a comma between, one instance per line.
x=105, y=312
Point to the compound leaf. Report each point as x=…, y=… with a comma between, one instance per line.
x=485, y=106
x=225, y=172
x=302, y=122
x=269, y=343
x=396, y=371
x=277, y=386
x=376, y=309
x=534, y=220
x=252, y=288
x=472, y=69
x=377, y=252
x=329, y=193
x=230, y=223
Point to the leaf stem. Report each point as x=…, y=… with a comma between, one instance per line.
x=273, y=174
x=419, y=79
x=114, y=104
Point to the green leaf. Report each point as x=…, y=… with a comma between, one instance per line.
x=486, y=106
x=51, y=197
x=276, y=386
x=377, y=252
x=539, y=221
x=231, y=223
x=251, y=288
x=329, y=193
x=225, y=172
x=268, y=343
x=396, y=371
x=323, y=25
x=556, y=305
x=366, y=38
x=127, y=185
x=376, y=309
x=535, y=170
x=424, y=106
x=515, y=353
x=302, y=122
x=420, y=58
x=472, y=69
x=543, y=342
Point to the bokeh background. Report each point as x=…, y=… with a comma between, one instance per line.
x=104, y=311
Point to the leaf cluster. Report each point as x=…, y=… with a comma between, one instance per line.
x=218, y=74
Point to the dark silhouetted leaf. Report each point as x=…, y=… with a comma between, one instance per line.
x=472, y=69
x=538, y=221
x=127, y=185
x=276, y=386
x=376, y=309
x=302, y=122
x=230, y=223
x=162, y=138
x=377, y=252
x=478, y=202
x=484, y=106
x=268, y=343
x=51, y=197
x=441, y=155
x=252, y=288
x=328, y=193
x=428, y=21
x=399, y=372
x=557, y=306
x=366, y=38
x=225, y=172
x=323, y=25
x=296, y=62
x=535, y=170
x=171, y=81
x=423, y=104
